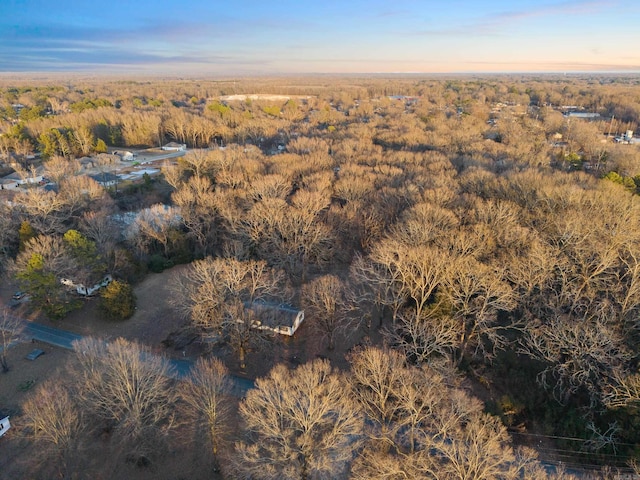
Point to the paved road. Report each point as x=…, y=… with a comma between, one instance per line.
x=65, y=339
x=52, y=336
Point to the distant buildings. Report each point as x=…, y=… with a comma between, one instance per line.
x=106, y=179
x=627, y=138
x=585, y=115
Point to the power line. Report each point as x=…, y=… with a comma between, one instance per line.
x=557, y=437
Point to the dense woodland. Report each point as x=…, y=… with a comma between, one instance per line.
x=458, y=240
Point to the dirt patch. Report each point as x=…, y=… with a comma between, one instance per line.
x=153, y=321
x=25, y=375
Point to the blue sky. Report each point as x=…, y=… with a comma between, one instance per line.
x=320, y=36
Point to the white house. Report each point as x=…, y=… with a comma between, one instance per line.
x=88, y=292
x=26, y=177
x=278, y=318
x=175, y=147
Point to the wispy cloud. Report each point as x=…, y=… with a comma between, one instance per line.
x=55, y=46
x=495, y=24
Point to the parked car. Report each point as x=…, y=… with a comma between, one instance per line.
x=35, y=354
x=19, y=296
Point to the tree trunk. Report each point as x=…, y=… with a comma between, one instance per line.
x=241, y=354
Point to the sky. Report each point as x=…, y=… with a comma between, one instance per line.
x=270, y=37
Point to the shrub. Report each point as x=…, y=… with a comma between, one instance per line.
x=118, y=302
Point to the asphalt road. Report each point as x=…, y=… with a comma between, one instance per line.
x=65, y=339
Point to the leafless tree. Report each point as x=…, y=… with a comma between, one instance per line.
x=299, y=424
x=9, y=238
x=206, y=396
x=622, y=389
x=291, y=237
x=199, y=211
x=154, y=224
x=83, y=139
x=380, y=283
x=325, y=297
x=44, y=210
x=6, y=144
x=219, y=295
x=422, y=427
x=81, y=193
x=11, y=328
x=55, y=420
x=597, y=355
x=476, y=294
x=101, y=228
x=201, y=163
x=128, y=389
x=58, y=168
x=375, y=376
x=432, y=338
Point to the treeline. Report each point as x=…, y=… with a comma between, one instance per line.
x=460, y=235
x=150, y=113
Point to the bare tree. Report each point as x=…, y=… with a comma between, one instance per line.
x=381, y=284
x=154, y=225
x=219, y=295
x=201, y=163
x=622, y=389
x=422, y=427
x=44, y=210
x=128, y=388
x=6, y=144
x=206, y=396
x=11, y=328
x=58, y=168
x=199, y=206
x=429, y=338
x=55, y=421
x=291, y=236
x=597, y=356
x=80, y=193
x=9, y=237
x=328, y=307
x=375, y=376
x=476, y=294
x=83, y=140
x=101, y=228
x=299, y=424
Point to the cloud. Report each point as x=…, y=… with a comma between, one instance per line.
x=494, y=25
x=65, y=47
x=74, y=56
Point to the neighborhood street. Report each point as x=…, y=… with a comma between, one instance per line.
x=64, y=339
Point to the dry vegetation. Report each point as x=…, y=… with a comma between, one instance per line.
x=487, y=246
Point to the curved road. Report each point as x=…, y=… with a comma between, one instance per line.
x=65, y=339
